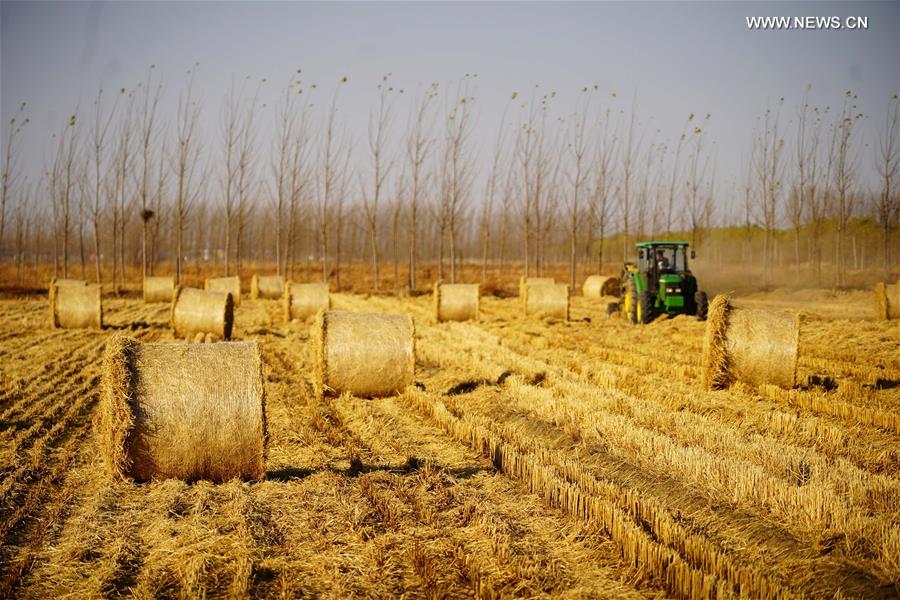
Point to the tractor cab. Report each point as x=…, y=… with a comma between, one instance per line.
x=661, y=283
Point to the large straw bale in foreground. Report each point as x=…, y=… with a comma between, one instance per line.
x=597, y=286
x=364, y=354
x=159, y=289
x=232, y=285
x=199, y=311
x=523, y=281
x=456, y=301
x=752, y=346
x=305, y=300
x=887, y=301
x=182, y=411
x=266, y=286
x=75, y=305
x=547, y=300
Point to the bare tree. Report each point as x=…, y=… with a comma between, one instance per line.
x=24, y=218
x=629, y=156
x=487, y=211
x=65, y=173
x=187, y=154
x=10, y=165
x=149, y=100
x=797, y=199
x=418, y=147
x=674, y=178
x=578, y=144
x=601, y=210
x=332, y=150
x=846, y=159
x=100, y=124
x=120, y=189
x=159, y=208
x=697, y=167
x=300, y=172
x=286, y=123
x=818, y=200
x=458, y=170
x=888, y=161
x=769, y=164
x=245, y=182
x=379, y=125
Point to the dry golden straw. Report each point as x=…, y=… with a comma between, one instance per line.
x=232, y=285
x=198, y=311
x=365, y=354
x=182, y=411
x=752, y=346
x=266, y=286
x=75, y=305
x=304, y=300
x=54, y=283
x=523, y=281
x=456, y=301
x=547, y=300
x=597, y=286
x=887, y=301
x=159, y=289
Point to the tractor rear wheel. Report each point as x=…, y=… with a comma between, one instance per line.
x=702, y=306
x=644, y=308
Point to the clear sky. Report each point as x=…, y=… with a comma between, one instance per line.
x=677, y=57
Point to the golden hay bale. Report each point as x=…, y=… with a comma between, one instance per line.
x=54, y=282
x=456, y=301
x=159, y=289
x=266, y=286
x=752, y=346
x=523, y=281
x=75, y=305
x=597, y=286
x=232, y=285
x=199, y=311
x=887, y=301
x=547, y=300
x=182, y=411
x=304, y=300
x=366, y=354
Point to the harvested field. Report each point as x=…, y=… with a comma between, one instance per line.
x=579, y=458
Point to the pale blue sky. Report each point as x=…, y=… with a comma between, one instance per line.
x=679, y=57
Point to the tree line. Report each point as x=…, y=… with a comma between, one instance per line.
x=130, y=182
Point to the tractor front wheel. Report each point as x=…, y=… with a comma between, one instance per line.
x=702, y=306
x=630, y=304
x=644, y=308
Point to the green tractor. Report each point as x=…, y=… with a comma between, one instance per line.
x=661, y=283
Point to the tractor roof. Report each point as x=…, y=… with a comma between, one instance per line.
x=652, y=244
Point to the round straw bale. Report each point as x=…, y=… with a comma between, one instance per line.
x=51, y=289
x=182, y=411
x=159, y=289
x=304, y=300
x=547, y=300
x=752, y=346
x=266, y=286
x=366, y=354
x=456, y=301
x=887, y=301
x=199, y=311
x=232, y=285
x=523, y=281
x=597, y=286
x=75, y=305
